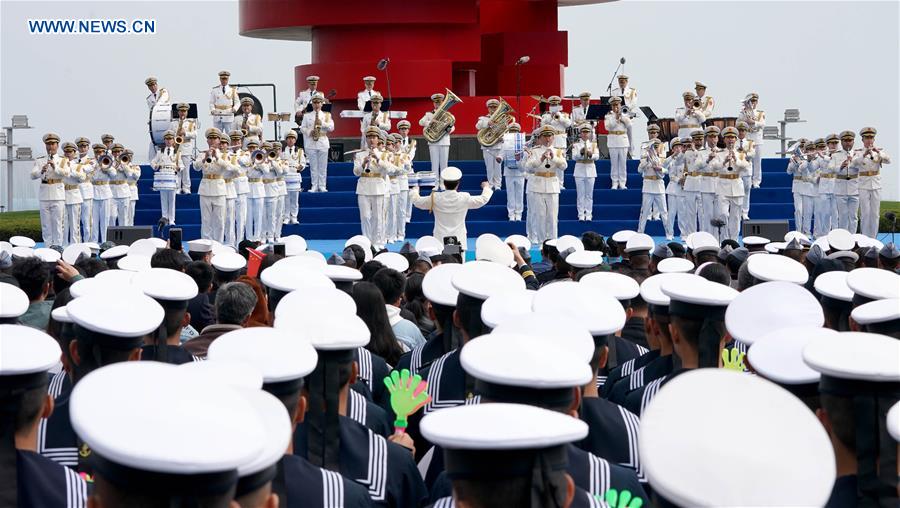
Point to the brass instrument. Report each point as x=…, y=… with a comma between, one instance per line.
x=124, y=158
x=696, y=103
x=245, y=127
x=317, y=128
x=258, y=156
x=442, y=120
x=498, y=125
x=105, y=161
x=536, y=117
x=272, y=155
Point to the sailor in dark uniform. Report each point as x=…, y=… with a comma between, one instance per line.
x=440, y=292
x=332, y=441
x=834, y=295
x=163, y=465
x=30, y=479
x=282, y=360
x=172, y=290
x=881, y=316
x=109, y=325
x=625, y=288
x=508, y=455
x=697, y=310
x=784, y=458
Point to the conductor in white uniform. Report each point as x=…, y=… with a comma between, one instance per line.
x=451, y=206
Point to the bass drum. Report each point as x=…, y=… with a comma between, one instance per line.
x=160, y=120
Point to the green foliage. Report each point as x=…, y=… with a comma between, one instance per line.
x=27, y=223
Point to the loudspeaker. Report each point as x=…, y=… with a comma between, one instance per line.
x=774, y=230
x=126, y=235
x=336, y=152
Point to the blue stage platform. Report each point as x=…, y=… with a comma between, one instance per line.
x=334, y=215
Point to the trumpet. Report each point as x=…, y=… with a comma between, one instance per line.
x=105, y=161
x=258, y=156
x=124, y=158
x=272, y=155
x=696, y=103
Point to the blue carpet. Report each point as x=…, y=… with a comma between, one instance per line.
x=334, y=215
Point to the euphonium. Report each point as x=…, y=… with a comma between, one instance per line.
x=179, y=140
x=442, y=120
x=498, y=125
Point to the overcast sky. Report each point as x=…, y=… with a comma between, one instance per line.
x=835, y=61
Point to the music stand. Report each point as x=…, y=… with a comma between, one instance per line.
x=192, y=110
x=603, y=107
x=595, y=112
x=651, y=116
x=385, y=106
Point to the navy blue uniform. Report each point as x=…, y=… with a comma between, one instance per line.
x=659, y=367
x=177, y=355
x=42, y=483
x=612, y=433
x=306, y=486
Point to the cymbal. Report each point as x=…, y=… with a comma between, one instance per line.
x=539, y=98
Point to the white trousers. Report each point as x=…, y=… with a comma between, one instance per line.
x=371, y=218
x=584, y=198
x=167, y=204
x=121, y=212
x=515, y=196
x=649, y=203
x=240, y=217
x=52, y=218
x=318, y=168
x=869, y=203
x=270, y=205
x=100, y=220
x=439, y=155
x=392, y=202
x=730, y=210
x=747, y=183
x=823, y=215
x=402, y=217
x=255, y=222
x=531, y=230
x=212, y=218
x=293, y=204
x=224, y=124
x=847, y=212
x=72, y=229
x=279, y=215
x=688, y=212
x=708, y=210
x=798, y=211
x=673, y=204
x=132, y=205
x=184, y=175
x=492, y=168
x=546, y=212
x=230, y=234
x=87, y=220
x=617, y=158
x=409, y=208
x=757, y=166
x=808, y=207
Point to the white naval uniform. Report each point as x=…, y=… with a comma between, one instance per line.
x=730, y=191
x=161, y=97
x=254, y=126
x=674, y=166
x=86, y=162
x=709, y=187
x=371, y=191
x=102, y=200
x=186, y=149
x=132, y=177
x=617, y=142
x=749, y=147
x=688, y=122
x=561, y=139
x=232, y=169
x=52, y=196
x=806, y=188
x=629, y=100
x=579, y=114
x=797, y=169
x=514, y=173
x=317, y=151
x=450, y=208
x=756, y=119
x=544, y=185
x=490, y=155
x=689, y=212
x=166, y=166
x=869, y=166
x=256, y=172
x=403, y=202
x=242, y=188
x=707, y=105
x=303, y=100
x=825, y=205
x=653, y=191
x=363, y=97
x=270, y=202
x=408, y=145
x=74, y=201
x=382, y=120
x=392, y=199
x=212, y=196
x=224, y=102
x=293, y=181
x=439, y=151
x=121, y=193
x=846, y=190
x=585, y=175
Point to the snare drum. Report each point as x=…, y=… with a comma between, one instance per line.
x=293, y=181
x=426, y=178
x=164, y=181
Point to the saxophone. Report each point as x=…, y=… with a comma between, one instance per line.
x=317, y=128
x=498, y=125
x=443, y=120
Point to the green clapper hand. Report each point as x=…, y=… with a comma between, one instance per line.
x=407, y=396
x=733, y=359
x=623, y=499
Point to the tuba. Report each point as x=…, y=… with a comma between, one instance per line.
x=497, y=126
x=442, y=120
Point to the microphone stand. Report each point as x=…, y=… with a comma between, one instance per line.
x=613, y=78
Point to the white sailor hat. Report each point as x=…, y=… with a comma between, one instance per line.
x=121, y=277
x=228, y=262
x=21, y=241
x=778, y=357
x=403, y=124
x=841, y=239
x=790, y=235
x=165, y=284
x=236, y=374
x=701, y=241
x=312, y=302
x=698, y=291
x=317, y=97
x=277, y=424
x=200, y=245
x=218, y=248
x=503, y=307
x=313, y=255
x=834, y=285
x=360, y=240
x=492, y=102
x=437, y=286
x=893, y=422
x=312, y=78
x=340, y=273
x=483, y=279
x=873, y=358
x=115, y=251
x=615, y=100
x=126, y=314
x=651, y=288
x=285, y=277
x=774, y=424
x=620, y=286
x=848, y=255
x=332, y=330
x=698, y=84
x=108, y=404
x=674, y=142
x=775, y=247
x=879, y=311
x=26, y=350
x=873, y=284
x=437, y=97
x=554, y=99
x=753, y=241
x=134, y=263
x=280, y=356
x=368, y=78
x=566, y=242
x=61, y=315
x=586, y=304
x=674, y=265
x=429, y=246
x=393, y=260
x=47, y=255
x=451, y=174
x=520, y=360
x=566, y=334
x=520, y=241
x=14, y=301
x=585, y=259
x=866, y=241
x=489, y=247
x=777, y=268
x=224, y=74
x=74, y=252
x=769, y=306
x=109, y=284
x=22, y=252
x=639, y=242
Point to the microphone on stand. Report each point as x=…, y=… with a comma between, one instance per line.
x=523, y=60
x=615, y=73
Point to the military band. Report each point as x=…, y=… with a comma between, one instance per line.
x=224, y=102
x=315, y=128
x=440, y=123
x=617, y=125
x=629, y=105
x=585, y=154
x=167, y=170
x=295, y=161
x=491, y=152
